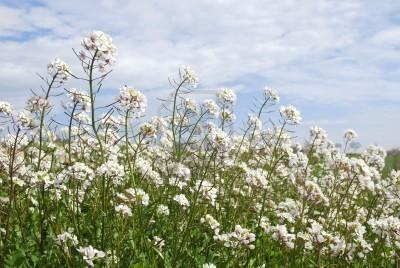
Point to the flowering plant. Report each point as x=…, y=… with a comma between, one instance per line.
x=183, y=189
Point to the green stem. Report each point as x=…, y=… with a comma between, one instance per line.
x=11, y=194
x=174, y=113
x=70, y=133
x=92, y=100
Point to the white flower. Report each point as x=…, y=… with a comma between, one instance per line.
x=245, y=236
x=226, y=95
x=209, y=265
x=318, y=133
x=89, y=254
x=79, y=97
x=219, y=140
x=158, y=242
x=271, y=93
x=350, y=134
x=280, y=233
x=81, y=118
x=133, y=100
x=256, y=178
x=239, y=237
x=182, y=200
x=159, y=122
x=207, y=190
x=163, y=210
x=101, y=45
x=5, y=108
x=181, y=171
x=213, y=223
x=58, y=69
x=313, y=192
x=124, y=210
x=79, y=172
x=112, y=259
x=137, y=196
x=253, y=120
x=290, y=114
x=25, y=120
x=375, y=156
x=113, y=169
x=211, y=107
x=191, y=105
x=37, y=104
x=62, y=239
x=228, y=116
x=190, y=76
x=148, y=130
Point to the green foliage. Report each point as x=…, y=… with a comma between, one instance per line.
x=392, y=161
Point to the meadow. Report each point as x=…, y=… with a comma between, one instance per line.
x=105, y=188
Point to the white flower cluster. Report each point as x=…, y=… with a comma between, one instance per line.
x=101, y=46
x=388, y=229
x=124, y=210
x=180, y=175
x=158, y=242
x=59, y=70
x=5, y=108
x=131, y=196
x=78, y=172
x=25, y=120
x=90, y=254
x=206, y=190
x=191, y=105
x=226, y=95
x=350, y=134
x=144, y=167
x=182, y=201
x=79, y=98
x=281, y=234
x=132, y=100
x=254, y=121
x=257, y=178
x=239, y=237
x=189, y=76
x=135, y=196
x=112, y=169
x=148, y=130
x=219, y=140
x=272, y=94
x=228, y=116
x=65, y=238
x=311, y=191
x=290, y=114
x=163, y=210
x=213, y=223
x=211, y=107
x=37, y=104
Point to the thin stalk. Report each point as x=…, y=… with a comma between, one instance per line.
x=42, y=192
x=92, y=100
x=70, y=133
x=10, y=197
x=174, y=111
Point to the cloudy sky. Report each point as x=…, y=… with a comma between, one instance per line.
x=337, y=61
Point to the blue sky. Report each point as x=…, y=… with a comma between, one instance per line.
x=337, y=61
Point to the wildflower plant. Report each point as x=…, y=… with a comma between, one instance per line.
x=107, y=188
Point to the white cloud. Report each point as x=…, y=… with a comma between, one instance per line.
x=325, y=51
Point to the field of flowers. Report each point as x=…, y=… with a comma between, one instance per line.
x=104, y=188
